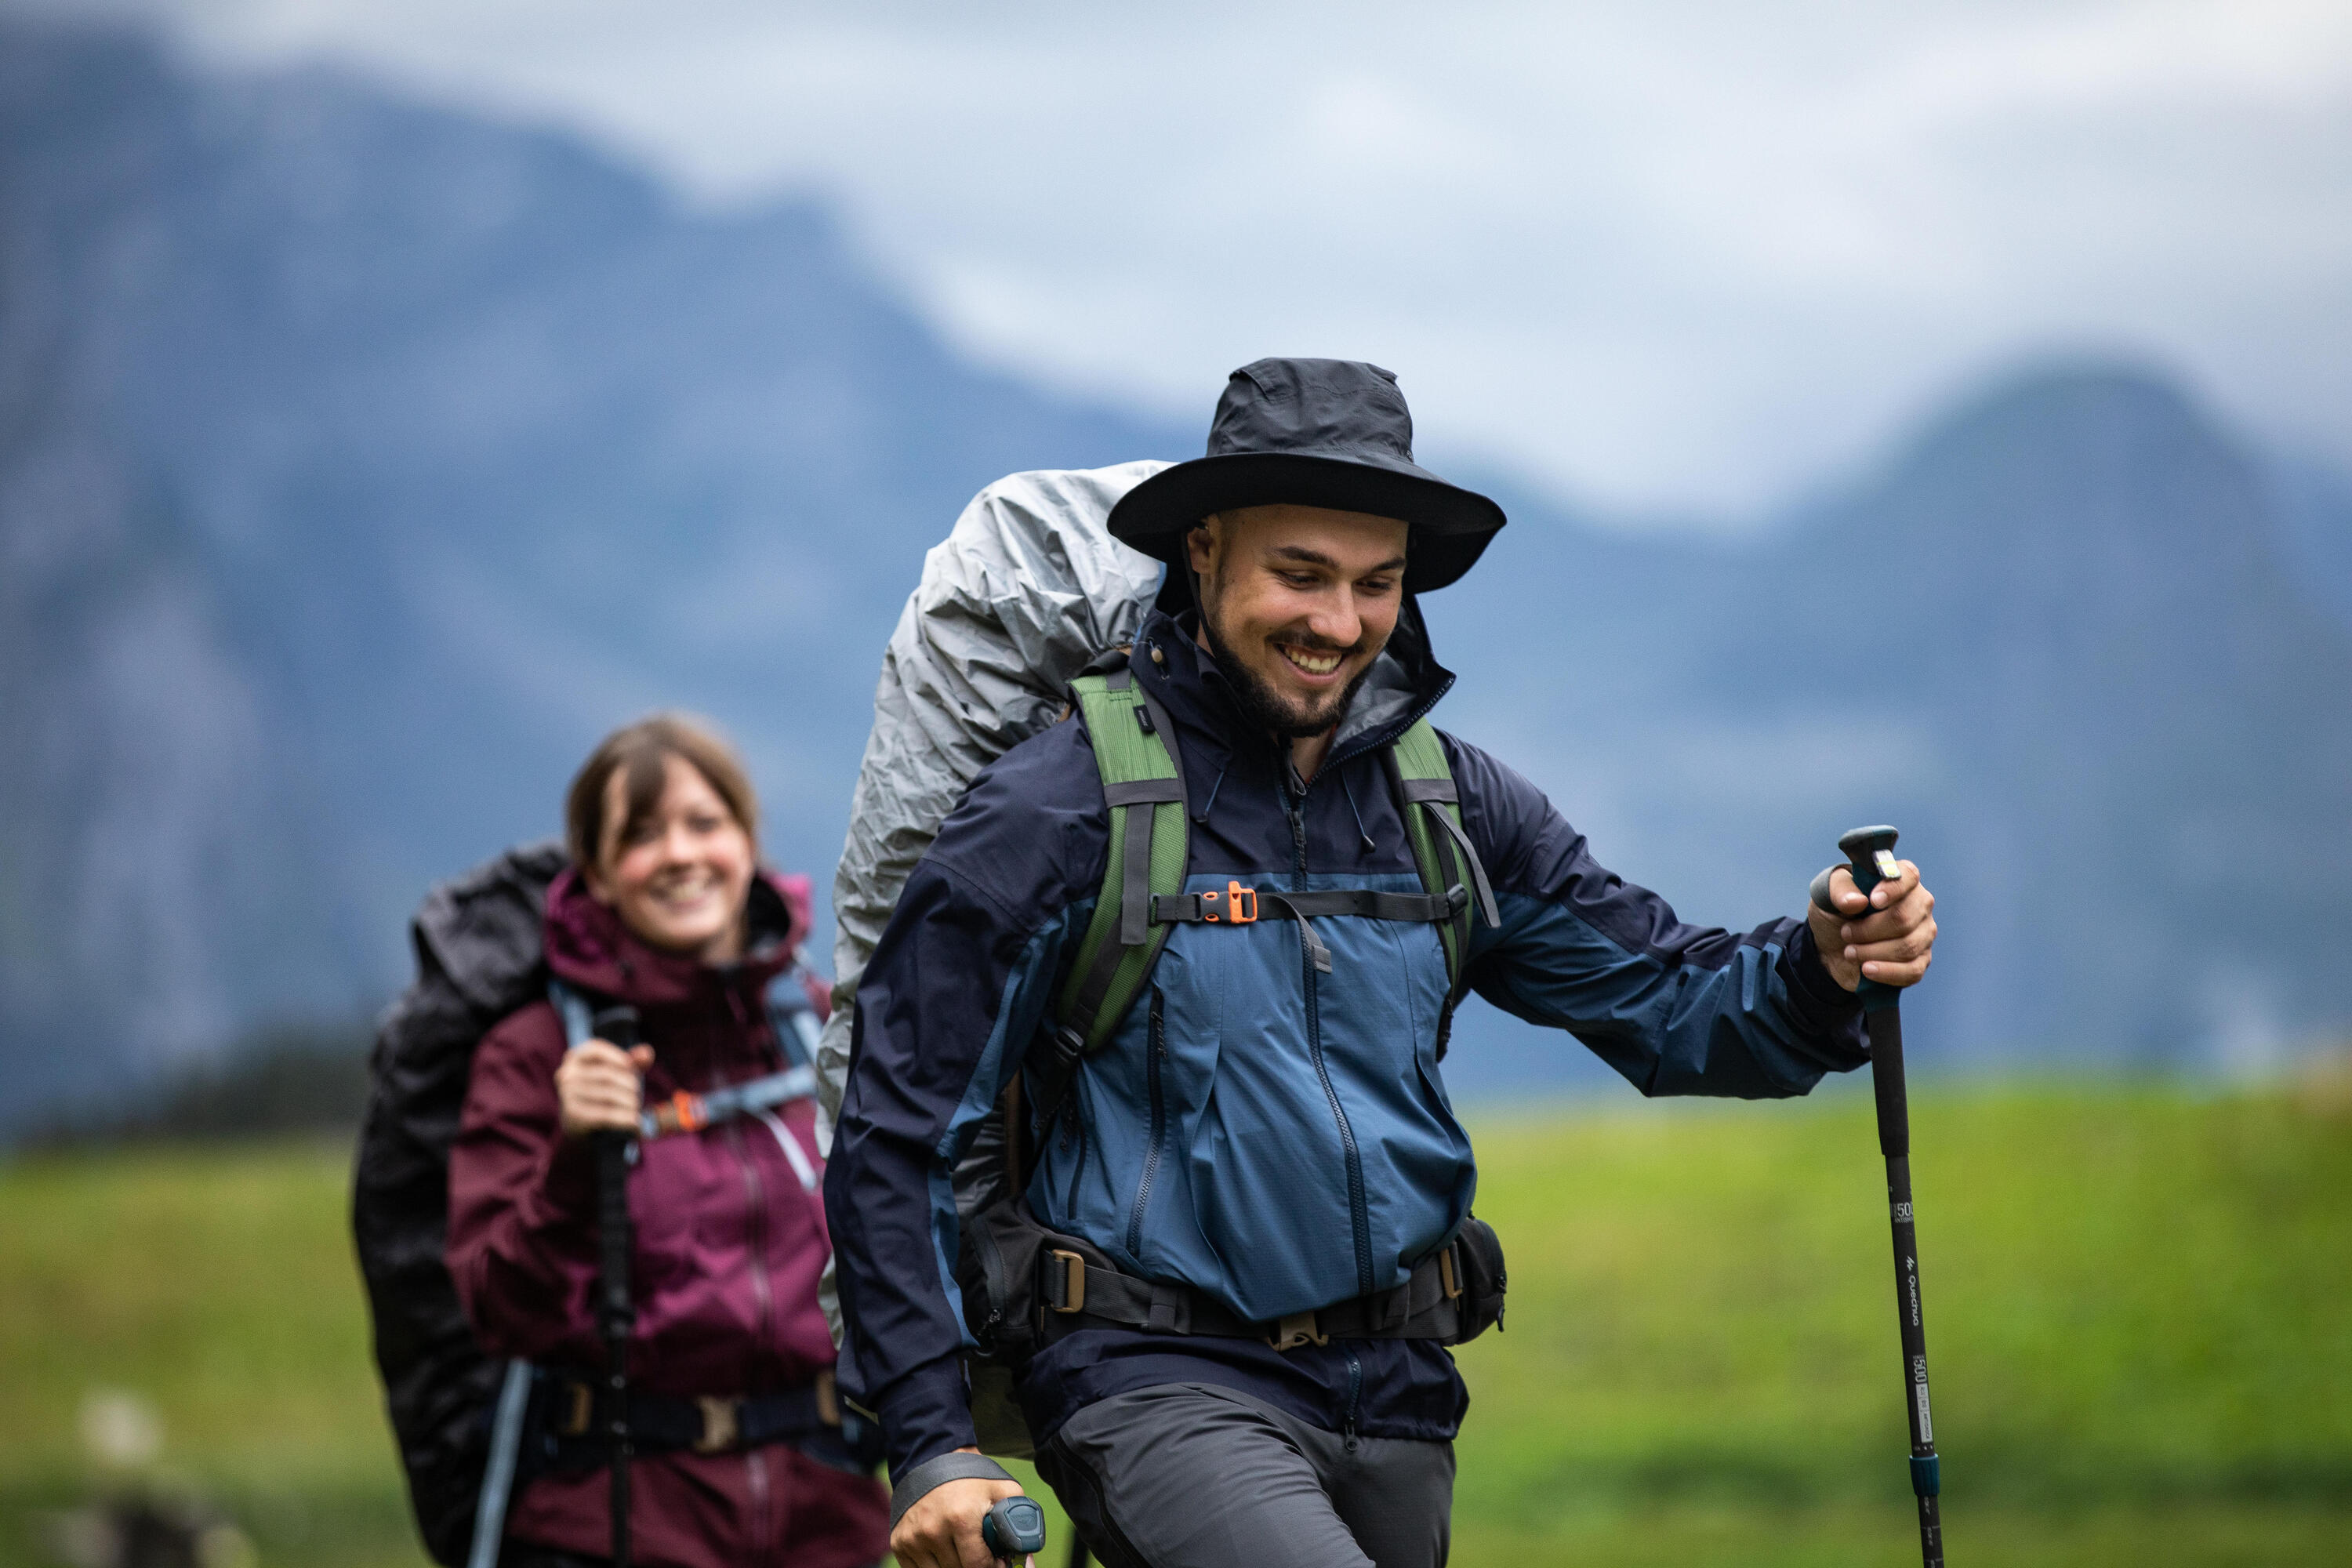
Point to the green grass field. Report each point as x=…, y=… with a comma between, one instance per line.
x=2135, y=1313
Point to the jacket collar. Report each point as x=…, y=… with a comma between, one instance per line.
x=589, y=947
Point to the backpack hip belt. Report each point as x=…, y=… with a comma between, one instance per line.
x=575, y=1411
x=1074, y=1293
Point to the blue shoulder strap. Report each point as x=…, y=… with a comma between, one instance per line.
x=499, y=1472
x=793, y=1018
x=514, y=1383
x=579, y=1018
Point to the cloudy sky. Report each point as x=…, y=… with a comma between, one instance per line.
x=1676, y=255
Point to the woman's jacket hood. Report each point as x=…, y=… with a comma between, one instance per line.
x=588, y=946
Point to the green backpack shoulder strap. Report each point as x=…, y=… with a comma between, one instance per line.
x=1144, y=786
x=1432, y=810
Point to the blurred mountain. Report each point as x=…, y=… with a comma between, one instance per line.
x=361, y=462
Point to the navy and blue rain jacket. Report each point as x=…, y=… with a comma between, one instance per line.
x=1276, y=1137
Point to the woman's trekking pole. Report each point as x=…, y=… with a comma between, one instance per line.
x=1870, y=854
x=615, y=1313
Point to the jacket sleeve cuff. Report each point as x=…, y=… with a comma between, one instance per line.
x=911, y=1487
x=1819, y=1003
x=925, y=1414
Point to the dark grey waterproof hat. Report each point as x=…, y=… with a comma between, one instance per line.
x=1313, y=432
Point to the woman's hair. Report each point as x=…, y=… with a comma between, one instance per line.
x=640, y=753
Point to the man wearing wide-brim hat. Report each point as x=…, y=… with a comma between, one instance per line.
x=1216, y=927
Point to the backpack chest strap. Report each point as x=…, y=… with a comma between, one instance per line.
x=686, y=1112
x=1240, y=905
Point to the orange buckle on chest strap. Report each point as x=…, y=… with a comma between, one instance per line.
x=1241, y=905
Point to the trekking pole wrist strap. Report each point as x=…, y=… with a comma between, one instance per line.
x=910, y=1488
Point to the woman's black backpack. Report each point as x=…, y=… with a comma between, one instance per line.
x=479, y=958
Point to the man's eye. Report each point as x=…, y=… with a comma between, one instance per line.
x=1299, y=579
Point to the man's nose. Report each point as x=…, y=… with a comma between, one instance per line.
x=1336, y=620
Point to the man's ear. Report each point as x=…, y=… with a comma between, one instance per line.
x=1201, y=546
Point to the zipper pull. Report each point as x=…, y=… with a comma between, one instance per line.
x=1355, y=1396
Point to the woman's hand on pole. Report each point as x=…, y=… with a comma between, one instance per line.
x=1888, y=936
x=600, y=1089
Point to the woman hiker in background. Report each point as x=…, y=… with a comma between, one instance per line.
x=665, y=910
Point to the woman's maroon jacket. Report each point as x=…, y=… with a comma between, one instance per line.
x=729, y=1243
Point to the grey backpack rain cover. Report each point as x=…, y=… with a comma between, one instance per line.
x=1027, y=588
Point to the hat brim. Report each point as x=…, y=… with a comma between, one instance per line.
x=1451, y=526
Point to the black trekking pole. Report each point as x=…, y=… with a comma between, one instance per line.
x=1870, y=854
x=615, y=1313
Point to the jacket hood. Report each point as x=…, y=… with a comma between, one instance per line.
x=588, y=946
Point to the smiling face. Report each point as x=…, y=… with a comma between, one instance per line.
x=1296, y=603
x=678, y=875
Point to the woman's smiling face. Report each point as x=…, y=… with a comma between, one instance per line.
x=679, y=876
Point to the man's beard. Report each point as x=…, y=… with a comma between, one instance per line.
x=1268, y=709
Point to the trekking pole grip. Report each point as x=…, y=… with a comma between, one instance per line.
x=1013, y=1529
x=1870, y=857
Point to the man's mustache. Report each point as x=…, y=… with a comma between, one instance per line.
x=1308, y=643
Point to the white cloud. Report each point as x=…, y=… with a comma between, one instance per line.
x=1685, y=253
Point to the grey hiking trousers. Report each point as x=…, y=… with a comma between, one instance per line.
x=1189, y=1475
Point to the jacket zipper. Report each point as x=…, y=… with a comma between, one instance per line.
x=755, y=1199
x=1074, y=1131
x=755, y=1482
x=1159, y=1053
x=1357, y=1209
x=992, y=1269
x=1355, y=1397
